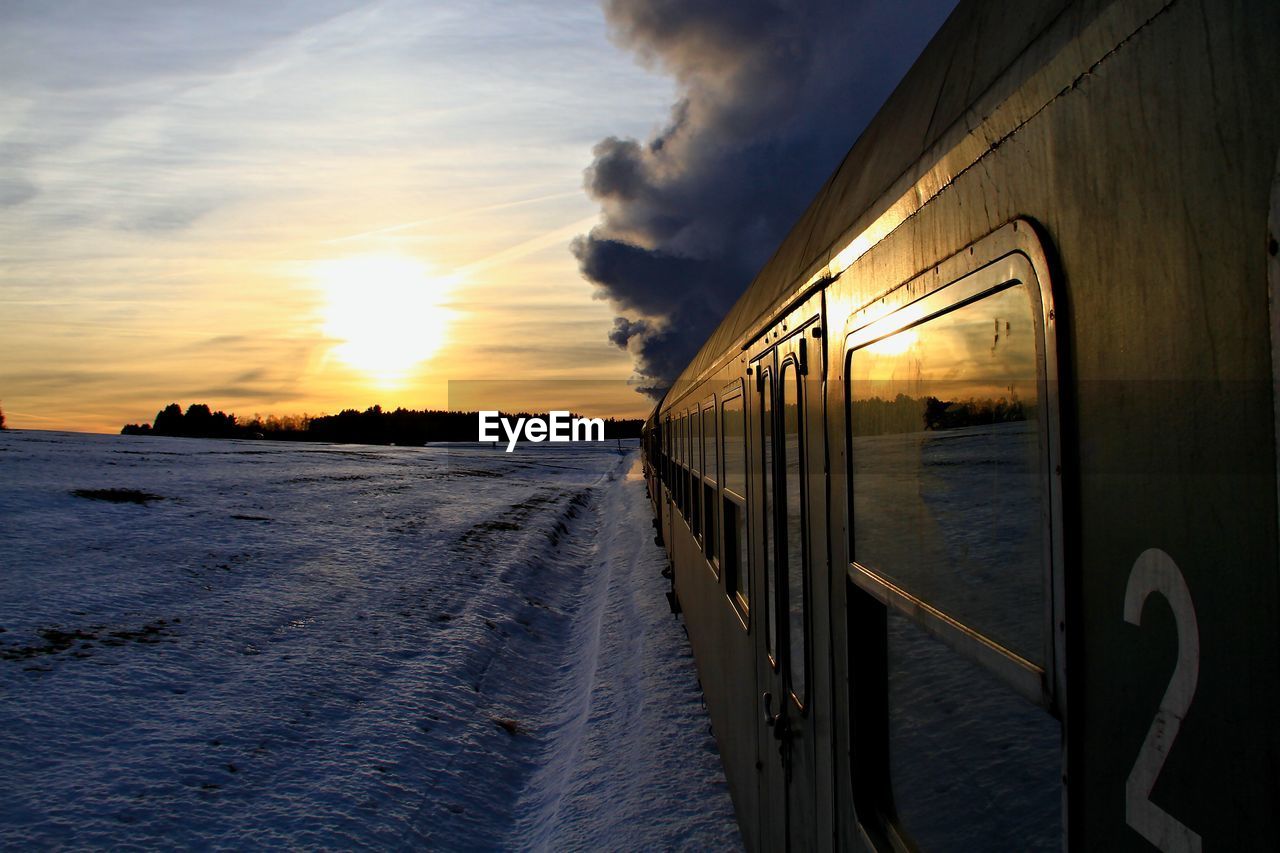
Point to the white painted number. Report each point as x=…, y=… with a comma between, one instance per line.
x=1155, y=571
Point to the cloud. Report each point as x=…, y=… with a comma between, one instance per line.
x=108, y=44
x=185, y=155
x=772, y=94
x=15, y=190
x=241, y=393
x=224, y=340
x=257, y=374
x=167, y=217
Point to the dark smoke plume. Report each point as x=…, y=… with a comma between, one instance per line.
x=773, y=93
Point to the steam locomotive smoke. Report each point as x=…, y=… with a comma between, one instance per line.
x=773, y=92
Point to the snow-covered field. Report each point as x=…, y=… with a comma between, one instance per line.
x=332, y=646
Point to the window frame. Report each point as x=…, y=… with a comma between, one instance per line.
x=710, y=480
x=682, y=450
x=742, y=503
x=694, y=500
x=795, y=362
x=666, y=458
x=1043, y=686
x=766, y=414
x=684, y=464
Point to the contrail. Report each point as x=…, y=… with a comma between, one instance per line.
x=419, y=223
x=561, y=236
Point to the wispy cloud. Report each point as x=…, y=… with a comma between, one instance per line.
x=453, y=215
x=165, y=170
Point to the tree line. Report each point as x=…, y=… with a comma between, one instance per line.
x=372, y=426
x=877, y=416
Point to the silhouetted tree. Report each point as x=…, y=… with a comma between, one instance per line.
x=350, y=426
x=169, y=420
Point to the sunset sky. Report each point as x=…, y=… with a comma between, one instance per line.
x=299, y=206
x=308, y=206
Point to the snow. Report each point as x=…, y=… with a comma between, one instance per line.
x=322, y=645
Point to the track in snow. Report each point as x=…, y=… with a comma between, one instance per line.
x=325, y=646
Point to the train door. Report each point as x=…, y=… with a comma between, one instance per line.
x=784, y=669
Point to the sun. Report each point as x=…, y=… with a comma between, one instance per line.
x=385, y=313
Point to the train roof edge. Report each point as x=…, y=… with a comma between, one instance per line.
x=922, y=120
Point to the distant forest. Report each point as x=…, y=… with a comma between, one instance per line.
x=903, y=414
x=372, y=426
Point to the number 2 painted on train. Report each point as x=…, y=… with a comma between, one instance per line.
x=1155, y=571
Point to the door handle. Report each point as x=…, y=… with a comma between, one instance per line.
x=770, y=718
x=777, y=721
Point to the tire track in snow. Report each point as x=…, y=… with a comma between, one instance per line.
x=503, y=657
x=633, y=765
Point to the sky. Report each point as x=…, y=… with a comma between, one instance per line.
x=310, y=206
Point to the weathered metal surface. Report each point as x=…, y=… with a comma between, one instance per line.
x=1141, y=141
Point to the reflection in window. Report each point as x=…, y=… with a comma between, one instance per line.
x=793, y=485
x=686, y=478
x=671, y=456
x=695, y=456
x=735, y=447
x=709, y=439
x=695, y=466
x=664, y=441
x=679, y=440
x=973, y=765
x=947, y=467
x=733, y=431
x=675, y=467
x=682, y=428
x=950, y=503
x=710, y=474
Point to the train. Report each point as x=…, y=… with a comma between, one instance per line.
x=971, y=500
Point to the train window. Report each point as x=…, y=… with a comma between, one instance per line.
x=666, y=458
x=947, y=468
x=734, y=501
x=684, y=471
x=710, y=457
x=681, y=443
x=695, y=458
x=684, y=468
x=684, y=474
x=734, y=445
x=951, y=510
x=675, y=441
x=673, y=458
x=695, y=473
x=710, y=475
x=768, y=529
x=793, y=496
x=677, y=444
x=671, y=461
